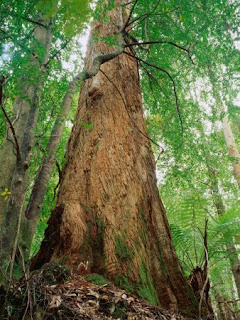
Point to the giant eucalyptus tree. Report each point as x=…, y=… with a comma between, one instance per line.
x=109, y=217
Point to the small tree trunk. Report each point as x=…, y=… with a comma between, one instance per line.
x=232, y=148
x=227, y=130
x=220, y=306
x=232, y=152
x=233, y=255
x=109, y=217
x=235, y=266
x=14, y=171
x=44, y=172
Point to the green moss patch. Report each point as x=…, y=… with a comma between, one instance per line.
x=96, y=279
x=122, y=249
x=123, y=282
x=146, y=288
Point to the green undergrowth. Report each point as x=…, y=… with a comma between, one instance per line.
x=96, y=279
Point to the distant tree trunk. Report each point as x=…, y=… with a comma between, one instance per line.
x=14, y=167
x=220, y=306
x=220, y=208
x=227, y=130
x=233, y=255
x=232, y=148
x=109, y=217
x=40, y=185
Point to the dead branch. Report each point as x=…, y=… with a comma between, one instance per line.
x=161, y=42
x=230, y=301
x=9, y=121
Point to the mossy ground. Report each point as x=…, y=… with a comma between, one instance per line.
x=96, y=279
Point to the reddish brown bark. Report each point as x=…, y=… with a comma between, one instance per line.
x=109, y=217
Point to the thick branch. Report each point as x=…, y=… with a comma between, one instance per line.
x=99, y=60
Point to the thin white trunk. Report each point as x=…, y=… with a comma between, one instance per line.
x=232, y=148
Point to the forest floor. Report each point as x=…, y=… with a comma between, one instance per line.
x=44, y=295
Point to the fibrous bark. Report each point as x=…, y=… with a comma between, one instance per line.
x=109, y=217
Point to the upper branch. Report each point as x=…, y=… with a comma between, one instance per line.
x=162, y=42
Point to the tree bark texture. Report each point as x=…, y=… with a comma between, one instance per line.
x=13, y=171
x=109, y=217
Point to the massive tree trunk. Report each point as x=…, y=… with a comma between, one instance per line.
x=109, y=217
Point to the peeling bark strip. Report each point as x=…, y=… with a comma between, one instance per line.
x=109, y=217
